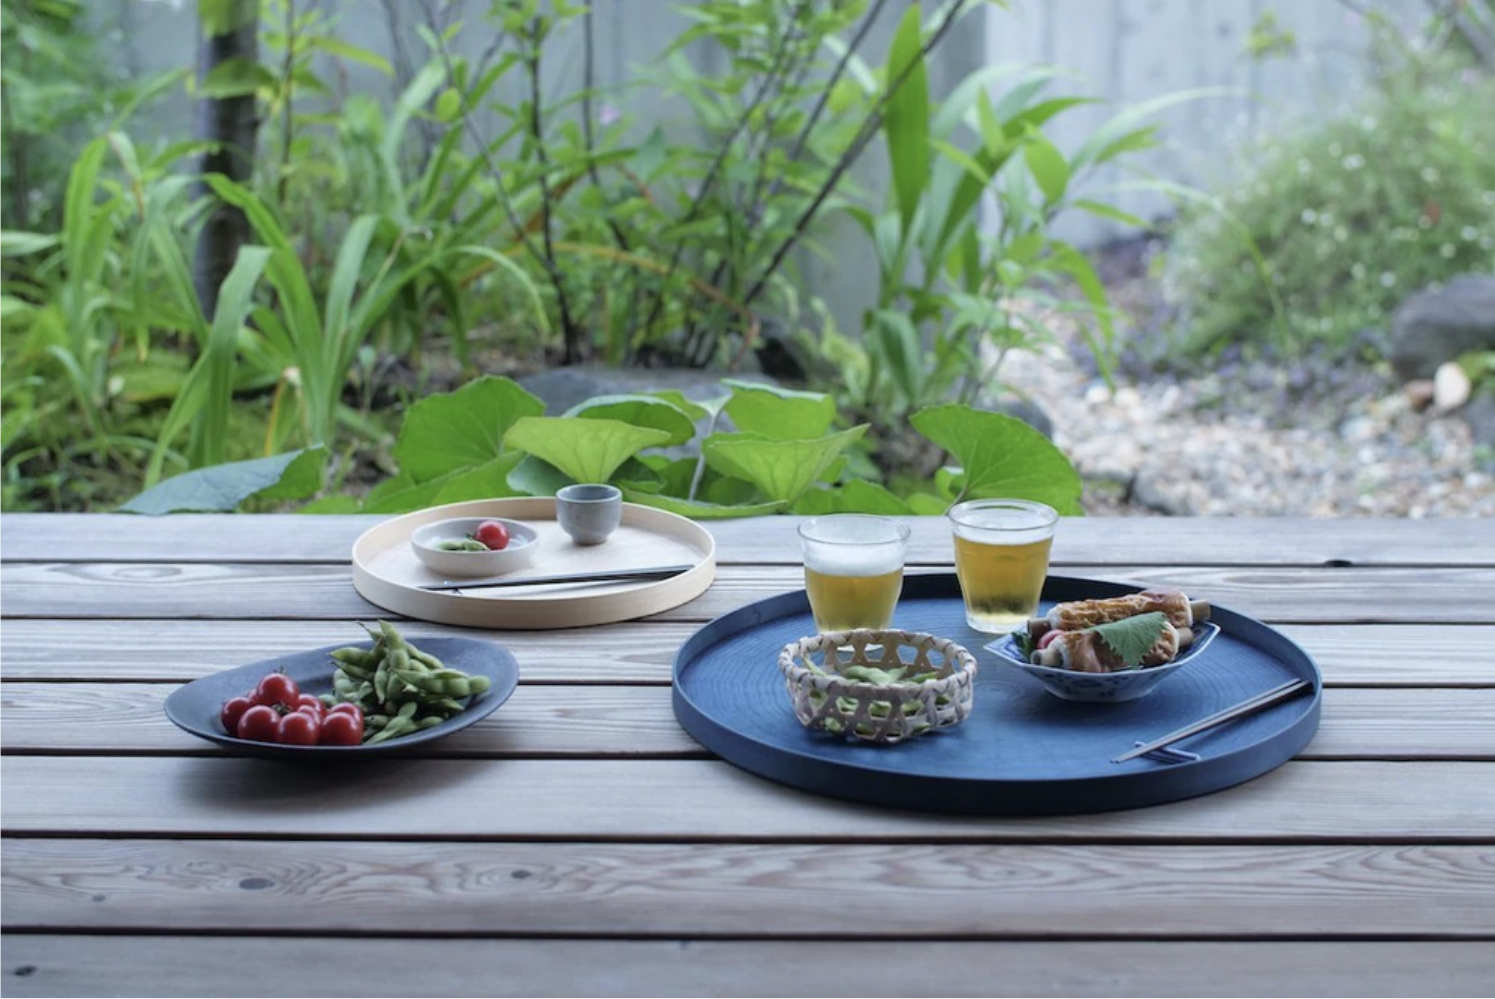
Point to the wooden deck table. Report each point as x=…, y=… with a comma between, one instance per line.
x=578, y=842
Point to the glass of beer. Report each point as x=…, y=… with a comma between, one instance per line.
x=853, y=569
x=1001, y=558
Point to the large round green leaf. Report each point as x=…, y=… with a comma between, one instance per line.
x=1002, y=456
x=461, y=429
x=781, y=470
x=782, y=414
x=585, y=449
x=220, y=488
x=641, y=411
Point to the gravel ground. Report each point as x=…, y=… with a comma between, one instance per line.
x=1323, y=439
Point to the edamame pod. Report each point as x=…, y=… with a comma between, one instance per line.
x=396, y=727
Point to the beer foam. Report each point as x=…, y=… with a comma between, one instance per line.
x=1000, y=526
x=854, y=560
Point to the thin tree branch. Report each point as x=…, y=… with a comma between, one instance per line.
x=588, y=82
x=864, y=135
x=830, y=85
x=287, y=68
x=569, y=329
x=774, y=70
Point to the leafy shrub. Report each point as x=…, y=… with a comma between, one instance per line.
x=1349, y=217
x=489, y=438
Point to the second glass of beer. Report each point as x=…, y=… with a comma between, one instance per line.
x=1001, y=559
x=853, y=569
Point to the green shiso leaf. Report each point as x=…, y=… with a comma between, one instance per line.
x=1131, y=637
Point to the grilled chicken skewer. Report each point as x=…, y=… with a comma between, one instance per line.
x=1077, y=615
x=1085, y=652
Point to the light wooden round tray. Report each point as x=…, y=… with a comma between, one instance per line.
x=386, y=572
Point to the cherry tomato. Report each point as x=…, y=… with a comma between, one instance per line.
x=1048, y=636
x=310, y=701
x=493, y=534
x=233, y=710
x=259, y=722
x=346, y=708
x=299, y=728
x=276, y=688
x=342, y=728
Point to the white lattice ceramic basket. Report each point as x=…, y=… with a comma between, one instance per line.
x=828, y=700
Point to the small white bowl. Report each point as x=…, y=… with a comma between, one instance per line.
x=518, y=554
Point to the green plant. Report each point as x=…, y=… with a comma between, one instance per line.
x=954, y=296
x=308, y=350
x=488, y=439
x=666, y=247
x=1350, y=216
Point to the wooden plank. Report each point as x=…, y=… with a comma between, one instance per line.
x=94, y=537
x=545, y=720
x=638, y=651
x=325, y=592
x=1393, y=655
x=50, y=965
x=1442, y=802
x=552, y=720
x=990, y=892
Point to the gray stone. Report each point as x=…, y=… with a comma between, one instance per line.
x=1150, y=491
x=1479, y=413
x=1029, y=412
x=1439, y=324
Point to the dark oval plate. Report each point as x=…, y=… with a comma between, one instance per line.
x=195, y=706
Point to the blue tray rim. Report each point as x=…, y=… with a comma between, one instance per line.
x=1004, y=796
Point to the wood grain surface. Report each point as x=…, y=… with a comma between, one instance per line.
x=325, y=592
x=1079, y=540
x=1391, y=655
x=52, y=965
x=796, y=889
x=625, y=721
x=578, y=842
x=692, y=799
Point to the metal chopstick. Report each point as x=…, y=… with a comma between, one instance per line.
x=571, y=577
x=1249, y=706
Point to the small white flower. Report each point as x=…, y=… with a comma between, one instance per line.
x=1368, y=123
x=1354, y=161
x=1309, y=216
x=1469, y=232
x=1341, y=233
x=1448, y=250
x=1357, y=271
x=1387, y=279
x=1488, y=198
x=1429, y=174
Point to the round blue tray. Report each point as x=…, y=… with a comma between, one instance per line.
x=1022, y=751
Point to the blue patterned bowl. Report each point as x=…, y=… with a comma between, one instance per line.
x=1113, y=687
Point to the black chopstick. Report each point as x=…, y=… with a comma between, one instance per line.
x=658, y=572
x=1249, y=706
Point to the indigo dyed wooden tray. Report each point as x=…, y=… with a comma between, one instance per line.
x=1022, y=751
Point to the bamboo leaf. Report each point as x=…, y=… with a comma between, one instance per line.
x=906, y=121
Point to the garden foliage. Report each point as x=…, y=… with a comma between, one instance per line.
x=480, y=210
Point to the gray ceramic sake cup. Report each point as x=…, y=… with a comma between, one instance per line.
x=589, y=512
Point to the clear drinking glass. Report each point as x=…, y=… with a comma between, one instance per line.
x=853, y=569
x=1001, y=558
